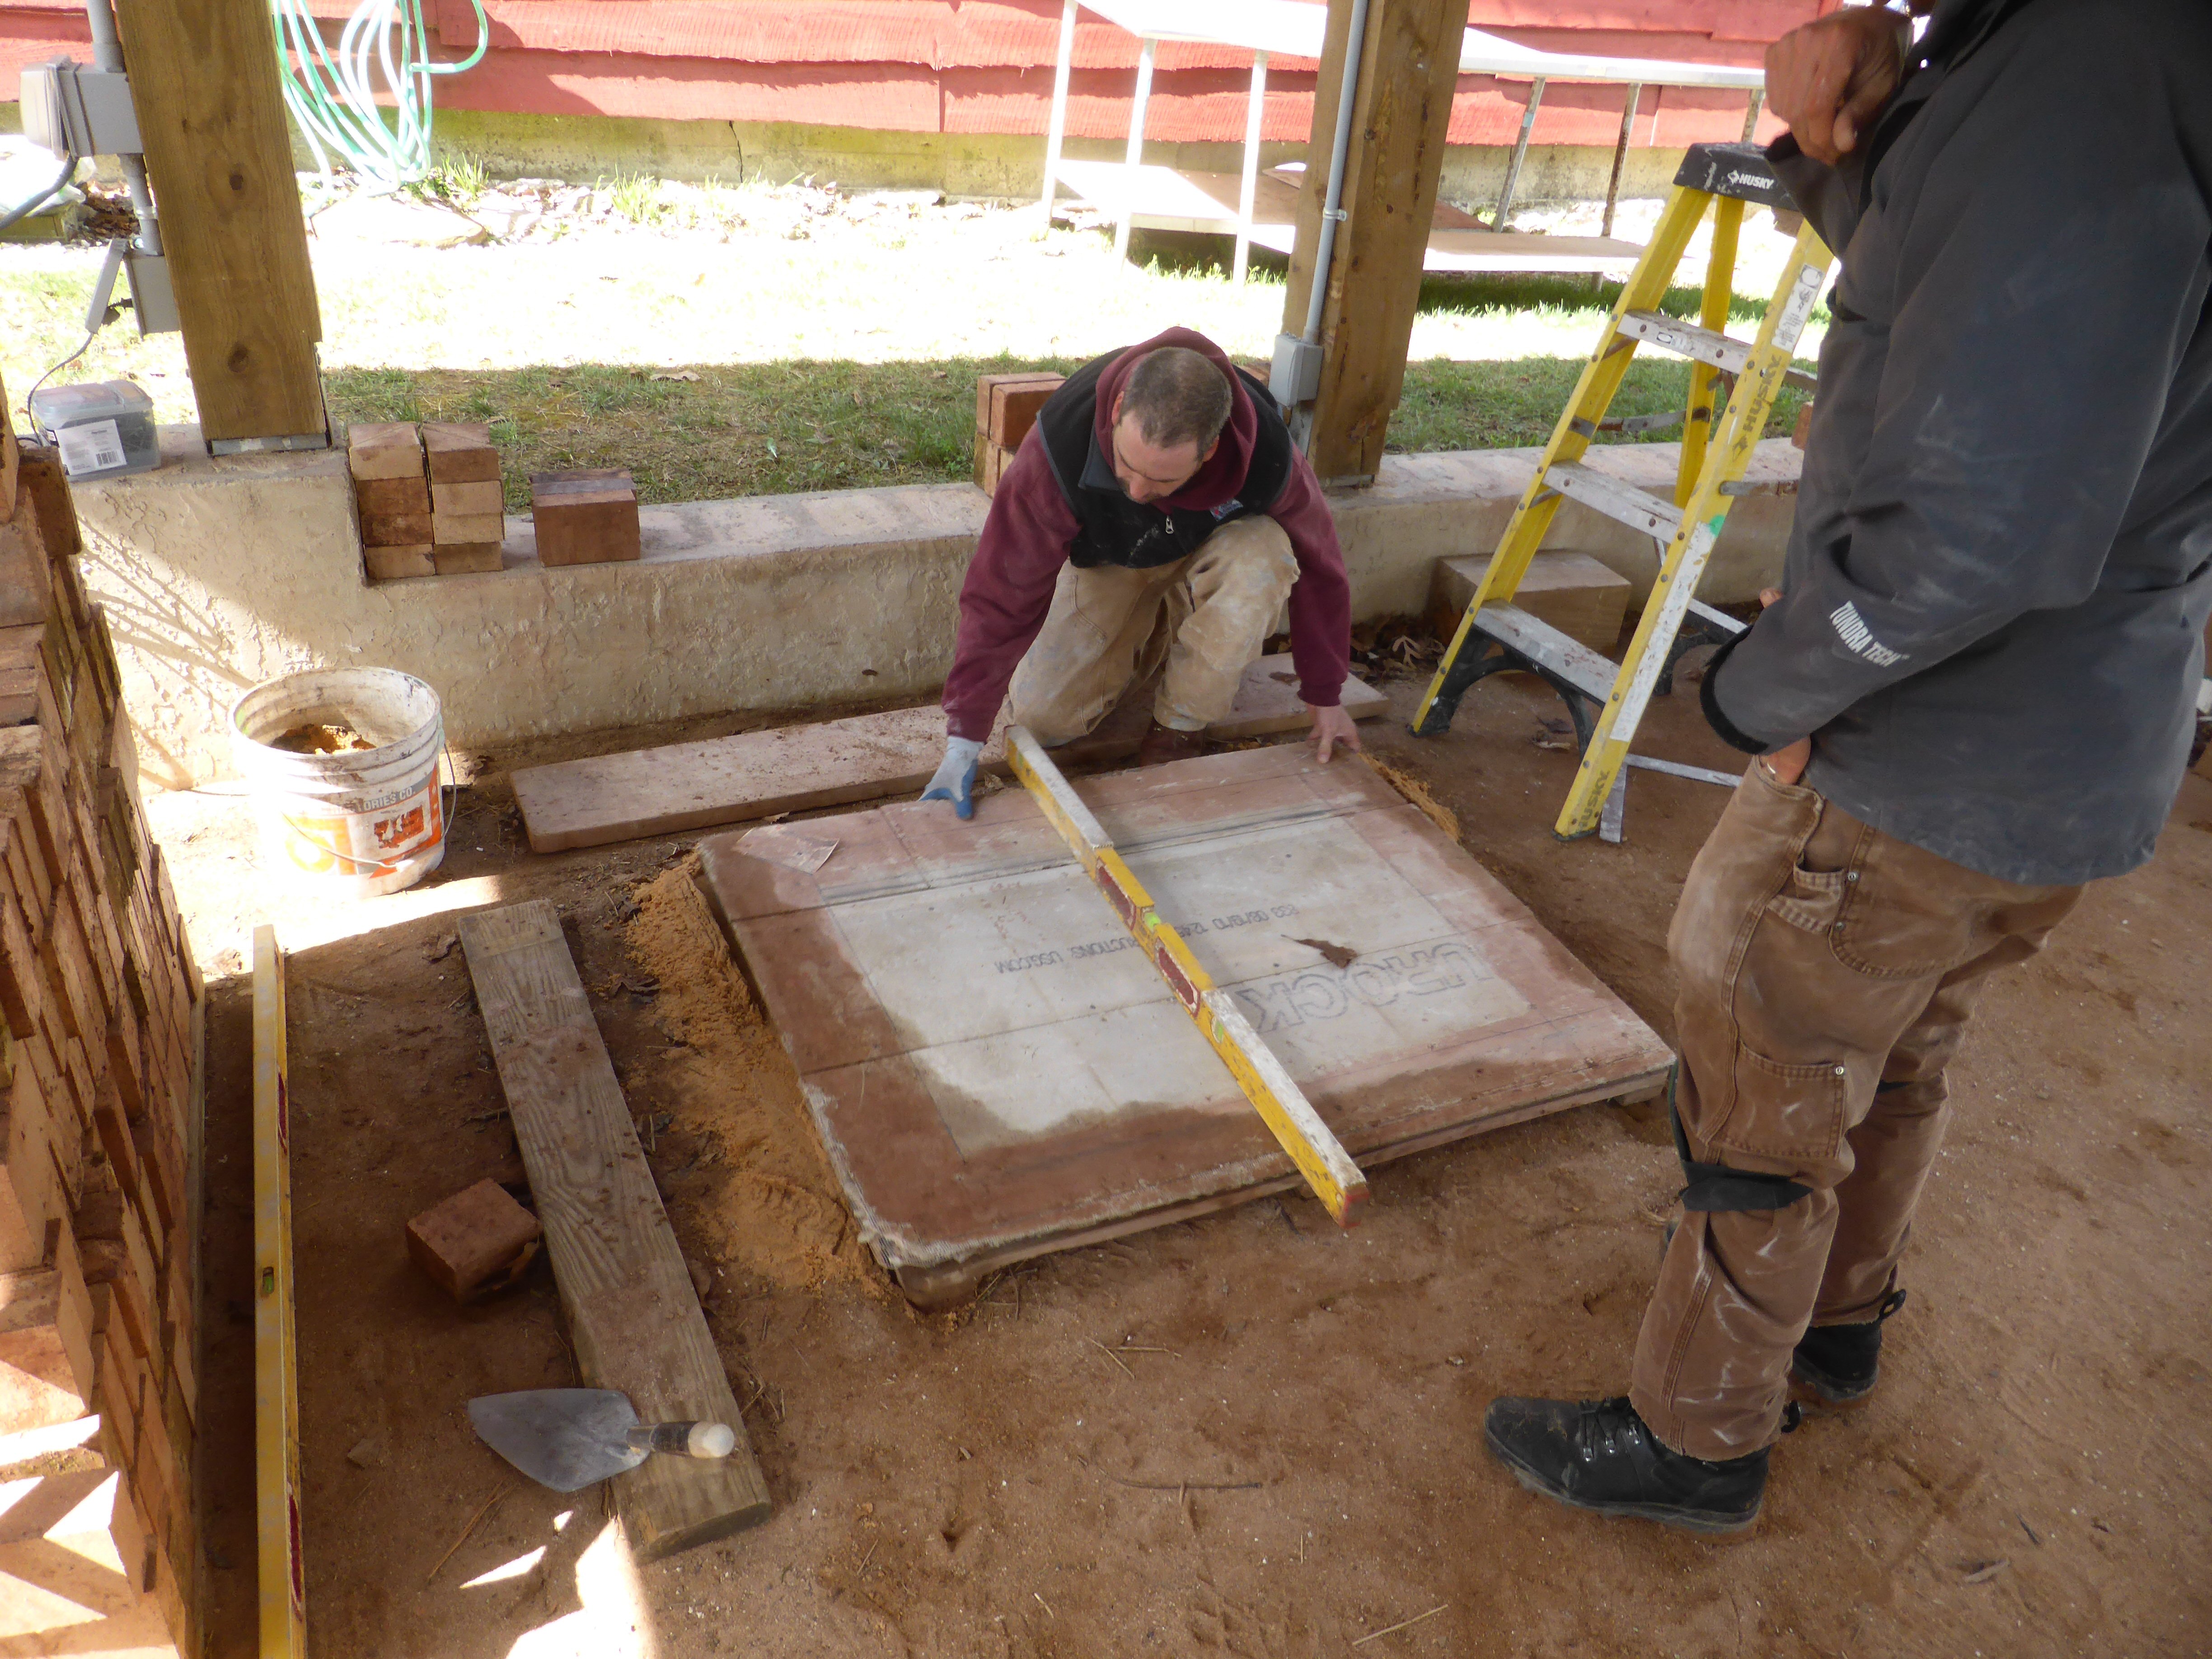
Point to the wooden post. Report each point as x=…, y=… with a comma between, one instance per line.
x=1520, y=155
x=1133, y=166
x=1409, y=69
x=204, y=76
x=1254, y=110
x=1056, y=131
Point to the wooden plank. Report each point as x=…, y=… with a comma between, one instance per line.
x=211, y=116
x=1282, y=1105
x=632, y=1309
x=1401, y=110
x=284, y=1574
x=797, y=769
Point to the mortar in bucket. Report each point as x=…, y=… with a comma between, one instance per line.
x=358, y=820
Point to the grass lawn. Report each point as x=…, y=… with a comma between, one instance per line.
x=822, y=348
x=757, y=428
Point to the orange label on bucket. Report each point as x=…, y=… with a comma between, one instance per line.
x=364, y=843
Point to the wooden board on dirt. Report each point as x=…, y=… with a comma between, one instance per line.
x=632, y=1309
x=799, y=769
x=997, y=1071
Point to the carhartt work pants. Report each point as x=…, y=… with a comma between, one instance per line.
x=1207, y=616
x=1827, y=974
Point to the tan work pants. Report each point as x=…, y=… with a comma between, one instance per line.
x=1827, y=972
x=1207, y=616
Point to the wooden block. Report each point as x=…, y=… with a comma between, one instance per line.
x=632, y=1309
x=1797, y=433
x=468, y=558
x=792, y=768
x=395, y=529
x=74, y=1568
x=391, y=563
x=383, y=497
x=26, y=684
x=39, y=1386
x=467, y=529
x=32, y=1197
x=53, y=509
x=387, y=449
x=478, y=1241
x=25, y=586
x=587, y=517
x=476, y=496
x=1572, y=591
x=459, y=452
x=1006, y=405
x=22, y=973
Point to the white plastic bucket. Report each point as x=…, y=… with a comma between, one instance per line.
x=357, y=822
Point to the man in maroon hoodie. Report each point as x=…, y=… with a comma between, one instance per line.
x=1157, y=513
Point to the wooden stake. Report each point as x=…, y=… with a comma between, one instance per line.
x=1326, y=1167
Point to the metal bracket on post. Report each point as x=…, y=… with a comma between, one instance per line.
x=1295, y=379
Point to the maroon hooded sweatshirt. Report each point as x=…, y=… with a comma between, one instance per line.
x=1028, y=533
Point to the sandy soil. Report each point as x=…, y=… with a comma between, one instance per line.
x=1249, y=1435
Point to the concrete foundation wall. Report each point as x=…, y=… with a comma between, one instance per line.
x=220, y=573
x=588, y=147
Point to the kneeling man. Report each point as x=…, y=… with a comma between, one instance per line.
x=1157, y=514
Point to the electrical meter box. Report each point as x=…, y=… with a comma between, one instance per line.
x=102, y=429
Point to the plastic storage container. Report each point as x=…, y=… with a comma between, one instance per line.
x=103, y=429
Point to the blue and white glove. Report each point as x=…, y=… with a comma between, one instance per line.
x=956, y=776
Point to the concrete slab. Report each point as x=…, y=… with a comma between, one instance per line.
x=997, y=1073
x=219, y=574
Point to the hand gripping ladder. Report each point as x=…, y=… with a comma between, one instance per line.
x=1495, y=633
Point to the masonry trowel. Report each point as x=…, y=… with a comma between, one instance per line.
x=566, y=1438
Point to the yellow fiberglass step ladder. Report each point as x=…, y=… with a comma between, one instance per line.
x=1496, y=634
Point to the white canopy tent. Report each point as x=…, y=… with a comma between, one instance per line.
x=1163, y=199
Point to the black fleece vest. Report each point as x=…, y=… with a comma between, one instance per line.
x=1136, y=535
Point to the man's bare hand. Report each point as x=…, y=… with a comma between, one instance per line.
x=1787, y=762
x=1331, y=728
x=1829, y=79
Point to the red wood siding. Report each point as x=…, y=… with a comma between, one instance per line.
x=986, y=66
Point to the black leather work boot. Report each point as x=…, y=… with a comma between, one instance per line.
x=1597, y=1455
x=1839, y=1364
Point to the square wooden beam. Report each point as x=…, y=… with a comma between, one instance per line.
x=1408, y=71
x=204, y=76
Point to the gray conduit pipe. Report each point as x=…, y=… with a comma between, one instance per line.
x=107, y=54
x=1333, y=205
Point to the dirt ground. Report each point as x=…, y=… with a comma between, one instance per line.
x=1249, y=1435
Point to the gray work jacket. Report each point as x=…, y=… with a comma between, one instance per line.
x=1996, y=590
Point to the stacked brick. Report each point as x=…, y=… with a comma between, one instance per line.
x=429, y=498
x=1007, y=407
x=98, y=995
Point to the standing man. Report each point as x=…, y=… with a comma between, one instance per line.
x=1157, y=513
x=1974, y=693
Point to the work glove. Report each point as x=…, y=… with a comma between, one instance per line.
x=956, y=776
